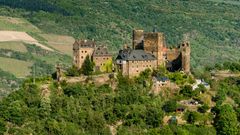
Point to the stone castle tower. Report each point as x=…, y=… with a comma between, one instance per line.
x=82, y=49
x=151, y=42
x=185, y=53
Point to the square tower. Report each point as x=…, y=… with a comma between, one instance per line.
x=154, y=43
x=82, y=49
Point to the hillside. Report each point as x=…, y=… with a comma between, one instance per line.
x=23, y=48
x=123, y=106
x=212, y=26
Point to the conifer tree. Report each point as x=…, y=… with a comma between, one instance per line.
x=87, y=67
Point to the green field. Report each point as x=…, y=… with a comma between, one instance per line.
x=18, y=68
x=16, y=24
x=15, y=46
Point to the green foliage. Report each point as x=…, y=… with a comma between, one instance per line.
x=203, y=108
x=170, y=106
x=73, y=71
x=87, y=67
x=2, y=126
x=192, y=117
x=188, y=91
x=226, y=121
x=232, y=66
x=154, y=117
x=108, y=66
x=201, y=88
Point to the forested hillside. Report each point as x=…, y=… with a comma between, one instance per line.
x=211, y=26
x=48, y=107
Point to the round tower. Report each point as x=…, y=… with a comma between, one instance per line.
x=186, y=54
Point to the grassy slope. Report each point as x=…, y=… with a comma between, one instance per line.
x=60, y=43
x=16, y=24
x=24, y=54
x=15, y=46
x=16, y=67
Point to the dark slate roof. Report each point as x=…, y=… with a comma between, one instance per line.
x=134, y=55
x=84, y=44
x=101, y=51
x=162, y=78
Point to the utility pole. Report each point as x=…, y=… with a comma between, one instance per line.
x=34, y=70
x=34, y=74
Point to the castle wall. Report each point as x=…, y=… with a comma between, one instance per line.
x=80, y=56
x=101, y=61
x=172, y=54
x=136, y=67
x=138, y=39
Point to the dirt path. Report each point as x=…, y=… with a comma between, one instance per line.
x=45, y=92
x=113, y=128
x=6, y=36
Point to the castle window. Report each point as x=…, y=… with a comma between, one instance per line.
x=85, y=51
x=82, y=57
x=82, y=51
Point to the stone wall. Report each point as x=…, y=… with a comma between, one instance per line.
x=136, y=67
x=186, y=54
x=138, y=37
x=172, y=54
x=101, y=61
x=154, y=44
x=80, y=56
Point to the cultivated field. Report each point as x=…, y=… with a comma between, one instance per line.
x=18, y=68
x=15, y=46
x=6, y=36
x=60, y=42
x=16, y=24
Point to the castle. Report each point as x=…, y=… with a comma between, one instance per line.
x=149, y=50
x=98, y=54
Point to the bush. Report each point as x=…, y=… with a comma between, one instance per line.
x=170, y=106
x=203, y=108
x=73, y=71
x=187, y=91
